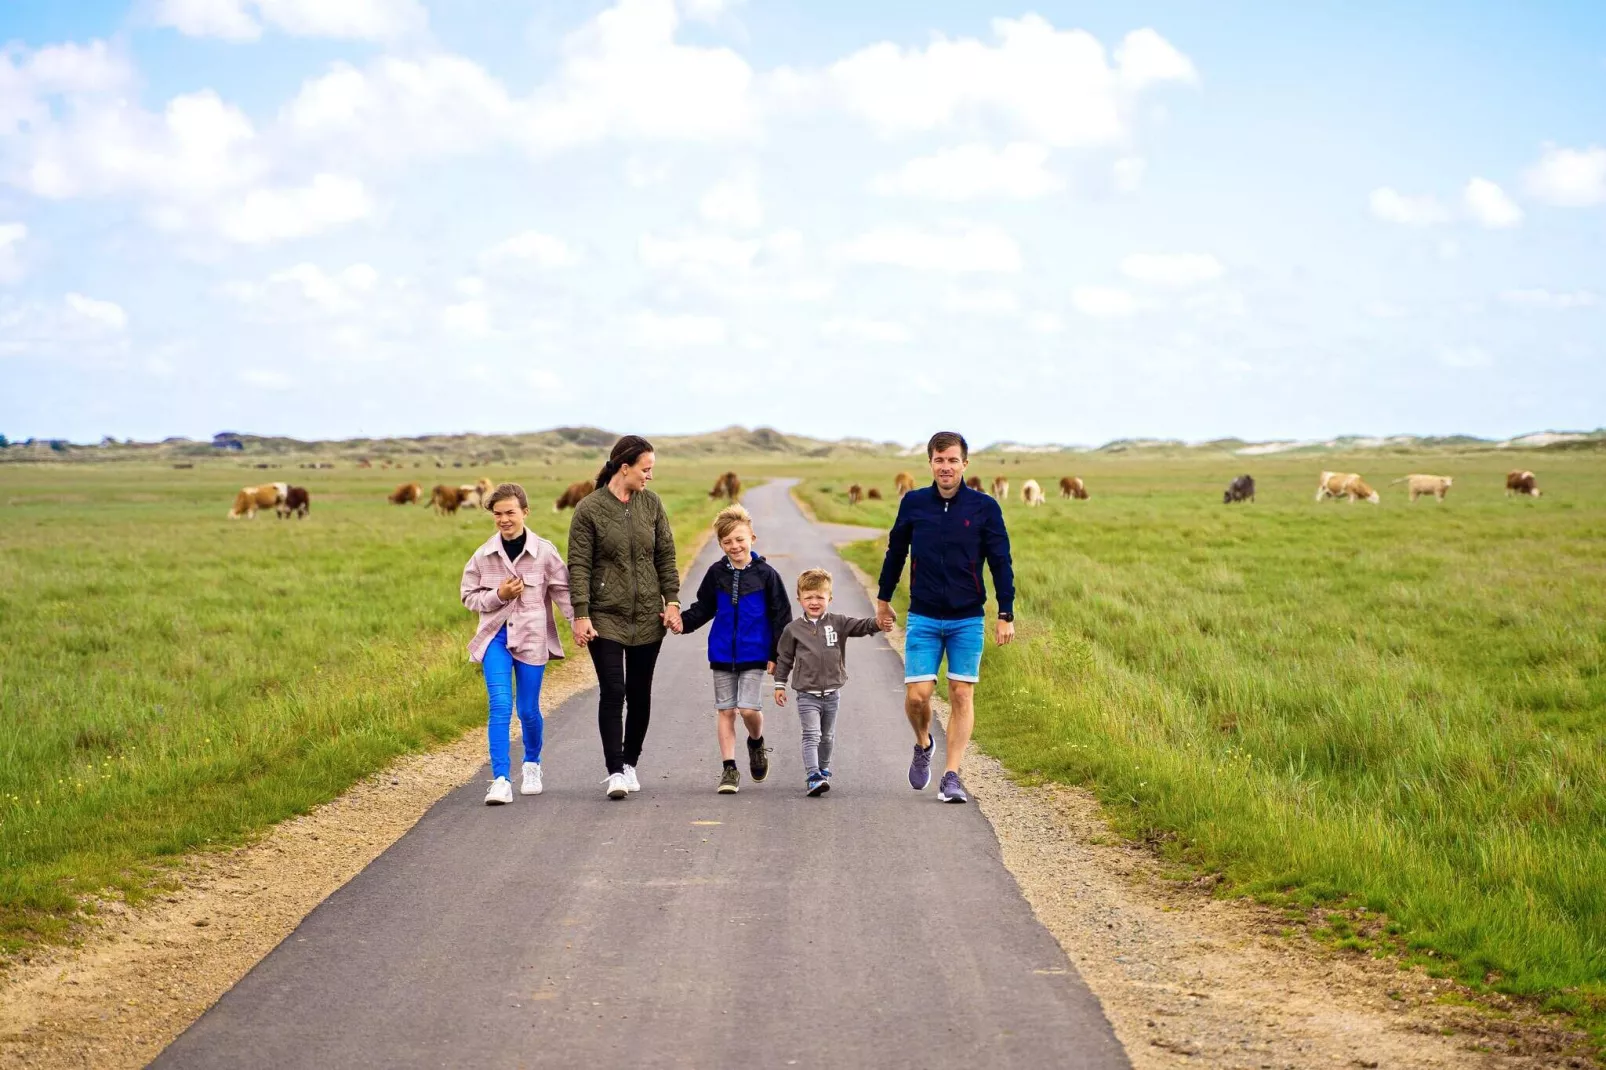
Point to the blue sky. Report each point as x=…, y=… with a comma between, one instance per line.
x=1059, y=222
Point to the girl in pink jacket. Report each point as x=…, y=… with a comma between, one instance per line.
x=513, y=582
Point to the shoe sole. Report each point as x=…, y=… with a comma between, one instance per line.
x=757, y=779
x=820, y=788
x=620, y=794
x=726, y=789
x=527, y=791
x=952, y=798
x=495, y=802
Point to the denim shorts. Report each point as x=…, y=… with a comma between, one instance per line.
x=928, y=639
x=739, y=690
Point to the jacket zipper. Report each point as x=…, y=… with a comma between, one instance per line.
x=635, y=593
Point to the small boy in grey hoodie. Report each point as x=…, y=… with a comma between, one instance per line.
x=812, y=654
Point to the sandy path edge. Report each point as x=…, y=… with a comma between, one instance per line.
x=141, y=976
x=1191, y=980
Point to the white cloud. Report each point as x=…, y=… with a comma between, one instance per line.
x=1570, y=178
x=956, y=248
x=237, y=20
x=1171, y=269
x=1018, y=171
x=1394, y=207
x=1103, y=302
x=1547, y=299
x=1488, y=204
x=1464, y=357
x=1045, y=323
x=625, y=76
x=1385, y=310
x=268, y=214
x=397, y=108
x=697, y=251
x=989, y=302
x=707, y=10
x=1047, y=85
x=467, y=319
x=734, y=202
x=340, y=292
x=12, y=235
x=532, y=247
x=1127, y=173
x=266, y=379
x=855, y=329
x=657, y=331
x=105, y=314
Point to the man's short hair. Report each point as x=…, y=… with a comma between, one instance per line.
x=813, y=579
x=729, y=519
x=503, y=492
x=943, y=440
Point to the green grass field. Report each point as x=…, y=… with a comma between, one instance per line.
x=1400, y=708
x=171, y=679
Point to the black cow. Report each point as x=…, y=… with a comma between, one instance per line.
x=1239, y=490
x=297, y=502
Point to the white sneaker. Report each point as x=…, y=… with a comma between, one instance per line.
x=631, y=783
x=616, y=786
x=532, y=779
x=501, y=792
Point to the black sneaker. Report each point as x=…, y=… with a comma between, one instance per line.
x=730, y=781
x=758, y=760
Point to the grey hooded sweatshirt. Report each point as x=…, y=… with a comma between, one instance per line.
x=812, y=652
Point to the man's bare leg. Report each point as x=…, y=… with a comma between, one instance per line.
x=961, y=720
x=917, y=707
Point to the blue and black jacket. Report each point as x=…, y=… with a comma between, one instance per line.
x=750, y=609
x=946, y=541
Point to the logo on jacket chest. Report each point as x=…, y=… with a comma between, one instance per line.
x=830, y=636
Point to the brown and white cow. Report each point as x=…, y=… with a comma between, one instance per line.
x=1073, y=487
x=445, y=500
x=1031, y=493
x=1417, y=485
x=572, y=495
x=1345, y=485
x=1000, y=488
x=855, y=494
x=904, y=482
x=1520, y=482
x=297, y=502
x=974, y=483
x=250, y=499
x=407, y=494
x=727, y=486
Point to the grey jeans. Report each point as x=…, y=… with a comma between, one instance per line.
x=818, y=714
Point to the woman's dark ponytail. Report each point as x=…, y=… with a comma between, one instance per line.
x=627, y=450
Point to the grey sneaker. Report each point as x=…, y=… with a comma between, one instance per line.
x=951, y=790
x=758, y=759
x=730, y=781
x=920, y=768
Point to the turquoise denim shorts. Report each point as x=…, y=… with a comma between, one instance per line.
x=928, y=640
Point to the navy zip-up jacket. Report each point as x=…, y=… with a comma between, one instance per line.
x=949, y=538
x=750, y=609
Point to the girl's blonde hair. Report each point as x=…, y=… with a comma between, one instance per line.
x=729, y=519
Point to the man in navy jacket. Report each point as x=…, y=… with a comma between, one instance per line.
x=949, y=530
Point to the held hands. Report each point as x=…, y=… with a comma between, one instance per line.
x=583, y=631
x=510, y=589
x=884, y=616
x=1006, y=632
x=671, y=618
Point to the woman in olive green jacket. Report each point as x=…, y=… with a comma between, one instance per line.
x=625, y=588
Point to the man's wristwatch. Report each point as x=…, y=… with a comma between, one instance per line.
x=1007, y=618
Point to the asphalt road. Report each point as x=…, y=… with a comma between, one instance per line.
x=869, y=927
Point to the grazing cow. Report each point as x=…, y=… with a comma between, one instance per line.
x=1345, y=485
x=974, y=483
x=1073, y=487
x=855, y=494
x=573, y=495
x=727, y=486
x=904, y=482
x=444, y=499
x=874, y=494
x=1522, y=483
x=250, y=499
x=469, y=496
x=407, y=494
x=1418, y=485
x=1000, y=488
x=363, y=462
x=1031, y=493
x=297, y=502
x=1241, y=489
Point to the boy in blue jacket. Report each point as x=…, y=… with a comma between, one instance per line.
x=747, y=602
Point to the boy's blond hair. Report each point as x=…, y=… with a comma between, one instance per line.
x=813, y=579
x=729, y=519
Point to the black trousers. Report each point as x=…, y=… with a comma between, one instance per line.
x=625, y=676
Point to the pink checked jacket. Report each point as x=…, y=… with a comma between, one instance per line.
x=532, y=627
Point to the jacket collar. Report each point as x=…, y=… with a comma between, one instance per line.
x=492, y=547
x=756, y=558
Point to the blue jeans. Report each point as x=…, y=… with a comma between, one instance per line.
x=501, y=669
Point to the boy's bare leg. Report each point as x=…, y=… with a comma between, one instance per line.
x=727, y=735
x=917, y=707
x=961, y=720
x=753, y=720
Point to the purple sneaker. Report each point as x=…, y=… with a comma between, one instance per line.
x=920, y=768
x=951, y=790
